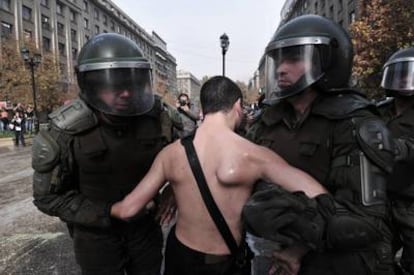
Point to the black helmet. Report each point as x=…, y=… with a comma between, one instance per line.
x=114, y=77
x=320, y=49
x=398, y=73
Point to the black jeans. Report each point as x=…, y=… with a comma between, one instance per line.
x=134, y=248
x=182, y=260
x=19, y=137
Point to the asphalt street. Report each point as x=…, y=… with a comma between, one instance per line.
x=31, y=243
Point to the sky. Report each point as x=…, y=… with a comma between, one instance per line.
x=192, y=30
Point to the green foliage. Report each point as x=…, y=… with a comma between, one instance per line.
x=383, y=28
x=15, y=76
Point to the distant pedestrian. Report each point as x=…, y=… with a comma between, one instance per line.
x=29, y=119
x=188, y=117
x=4, y=117
x=18, y=123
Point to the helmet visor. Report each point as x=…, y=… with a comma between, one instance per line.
x=399, y=76
x=120, y=92
x=289, y=70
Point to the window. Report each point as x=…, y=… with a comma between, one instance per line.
x=105, y=20
x=45, y=22
x=86, y=23
x=5, y=5
x=97, y=29
x=6, y=29
x=74, y=53
x=46, y=43
x=86, y=37
x=85, y=6
x=27, y=13
x=61, y=48
x=73, y=16
x=60, y=29
x=73, y=35
x=96, y=14
x=59, y=8
x=44, y=3
x=112, y=26
x=27, y=34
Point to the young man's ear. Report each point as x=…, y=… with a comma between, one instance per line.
x=237, y=103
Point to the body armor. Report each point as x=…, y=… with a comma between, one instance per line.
x=325, y=145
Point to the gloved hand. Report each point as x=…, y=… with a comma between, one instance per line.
x=285, y=217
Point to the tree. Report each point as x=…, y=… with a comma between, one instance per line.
x=384, y=27
x=12, y=73
x=15, y=77
x=162, y=90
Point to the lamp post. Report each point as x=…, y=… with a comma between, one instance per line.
x=224, y=43
x=32, y=61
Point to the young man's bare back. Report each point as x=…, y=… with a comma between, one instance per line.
x=231, y=165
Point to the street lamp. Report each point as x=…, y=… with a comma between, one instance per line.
x=224, y=43
x=32, y=61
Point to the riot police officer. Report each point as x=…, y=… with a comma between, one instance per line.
x=332, y=132
x=94, y=152
x=398, y=113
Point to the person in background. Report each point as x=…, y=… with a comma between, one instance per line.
x=95, y=150
x=4, y=116
x=323, y=127
x=189, y=119
x=29, y=119
x=398, y=113
x=18, y=126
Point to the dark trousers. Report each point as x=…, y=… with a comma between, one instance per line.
x=182, y=260
x=126, y=248
x=19, y=137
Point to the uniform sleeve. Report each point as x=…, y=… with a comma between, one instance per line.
x=55, y=186
x=403, y=216
x=402, y=197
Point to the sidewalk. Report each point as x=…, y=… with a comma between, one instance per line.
x=7, y=144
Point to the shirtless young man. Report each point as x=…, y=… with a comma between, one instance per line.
x=231, y=165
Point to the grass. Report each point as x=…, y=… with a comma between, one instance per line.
x=10, y=134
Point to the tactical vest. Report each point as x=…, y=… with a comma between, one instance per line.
x=307, y=147
x=112, y=161
x=326, y=140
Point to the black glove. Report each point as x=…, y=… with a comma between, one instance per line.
x=286, y=218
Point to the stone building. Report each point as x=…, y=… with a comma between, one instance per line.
x=63, y=27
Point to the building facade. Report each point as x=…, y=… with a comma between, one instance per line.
x=188, y=84
x=62, y=27
x=343, y=12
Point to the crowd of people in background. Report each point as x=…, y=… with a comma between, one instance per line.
x=18, y=119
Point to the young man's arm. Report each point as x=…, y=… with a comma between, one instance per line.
x=145, y=190
x=276, y=170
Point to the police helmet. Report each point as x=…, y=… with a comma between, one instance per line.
x=318, y=50
x=114, y=77
x=398, y=73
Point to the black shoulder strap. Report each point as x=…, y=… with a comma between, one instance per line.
x=215, y=213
